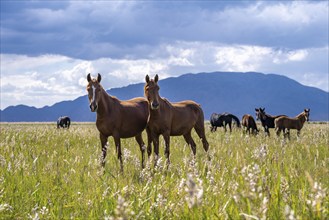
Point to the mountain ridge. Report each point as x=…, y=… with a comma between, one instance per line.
x=236, y=92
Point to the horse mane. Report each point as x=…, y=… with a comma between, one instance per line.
x=268, y=115
x=300, y=115
x=166, y=101
x=111, y=96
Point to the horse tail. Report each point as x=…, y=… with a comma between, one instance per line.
x=236, y=120
x=200, y=130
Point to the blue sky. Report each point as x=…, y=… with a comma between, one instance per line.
x=48, y=47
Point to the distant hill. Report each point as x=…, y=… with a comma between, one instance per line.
x=234, y=92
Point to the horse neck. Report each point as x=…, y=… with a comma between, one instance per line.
x=269, y=116
x=104, y=103
x=264, y=117
x=301, y=117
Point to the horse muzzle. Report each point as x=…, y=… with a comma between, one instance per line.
x=155, y=105
x=93, y=107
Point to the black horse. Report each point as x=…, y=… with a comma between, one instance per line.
x=63, y=122
x=221, y=120
x=266, y=119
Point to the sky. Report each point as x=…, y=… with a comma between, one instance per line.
x=49, y=47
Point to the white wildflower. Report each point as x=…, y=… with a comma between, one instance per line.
x=5, y=207
x=194, y=191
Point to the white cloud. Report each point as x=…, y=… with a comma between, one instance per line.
x=241, y=58
x=47, y=79
x=298, y=55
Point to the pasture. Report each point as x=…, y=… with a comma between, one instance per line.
x=49, y=173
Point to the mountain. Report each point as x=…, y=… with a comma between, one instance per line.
x=234, y=92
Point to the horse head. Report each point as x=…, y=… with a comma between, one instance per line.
x=307, y=114
x=93, y=88
x=260, y=113
x=151, y=91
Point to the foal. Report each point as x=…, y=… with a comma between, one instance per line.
x=120, y=119
x=172, y=119
x=284, y=122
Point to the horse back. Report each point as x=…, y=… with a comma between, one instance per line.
x=185, y=115
x=249, y=122
x=286, y=122
x=126, y=118
x=186, y=109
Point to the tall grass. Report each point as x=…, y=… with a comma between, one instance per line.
x=49, y=173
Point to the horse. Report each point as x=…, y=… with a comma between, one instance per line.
x=63, y=122
x=221, y=120
x=282, y=123
x=266, y=119
x=172, y=119
x=249, y=122
x=117, y=118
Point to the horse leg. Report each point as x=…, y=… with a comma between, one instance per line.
x=167, y=149
x=230, y=126
x=284, y=132
x=189, y=140
x=199, y=129
x=278, y=131
x=298, y=133
x=103, y=139
x=267, y=131
x=155, y=139
x=142, y=146
x=118, y=147
x=149, y=142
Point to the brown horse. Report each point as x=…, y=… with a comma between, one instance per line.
x=120, y=119
x=172, y=119
x=282, y=123
x=249, y=122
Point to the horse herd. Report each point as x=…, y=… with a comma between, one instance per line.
x=158, y=116
x=279, y=122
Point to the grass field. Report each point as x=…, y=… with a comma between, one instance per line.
x=49, y=173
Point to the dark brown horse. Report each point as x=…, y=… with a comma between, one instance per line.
x=284, y=122
x=172, y=119
x=221, y=120
x=249, y=122
x=266, y=119
x=120, y=119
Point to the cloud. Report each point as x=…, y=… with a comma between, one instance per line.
x=48, y=48
x=60, y=78
x=130, y=29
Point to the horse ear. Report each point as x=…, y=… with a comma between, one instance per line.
x=88, y=77
x=99, y=78
x=156, y=78
x=147, y=78
x=256, y=109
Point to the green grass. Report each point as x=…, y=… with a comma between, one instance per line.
x=49, y=173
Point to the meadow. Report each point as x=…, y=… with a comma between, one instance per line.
x=49, y=173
